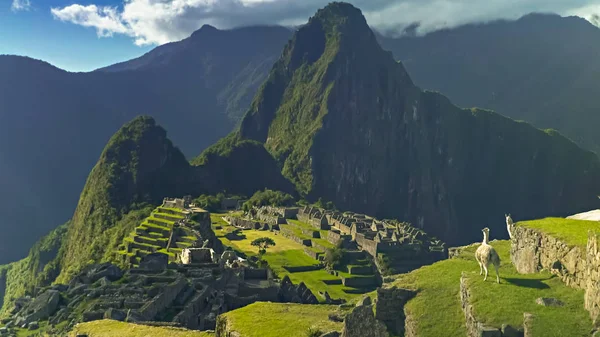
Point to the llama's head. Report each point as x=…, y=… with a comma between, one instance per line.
x=486, y=234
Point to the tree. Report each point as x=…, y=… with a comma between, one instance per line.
x=268, y=198
x=262, y=244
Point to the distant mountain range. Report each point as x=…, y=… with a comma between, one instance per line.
x=541, y=68
x=54, y=123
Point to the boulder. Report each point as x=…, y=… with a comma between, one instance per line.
x=93, y=273
x=549, y=302
x=509, y=331
x=3, y=331
x=115, y=314
x=134, y=316
x=33, y=325
x=41, y=308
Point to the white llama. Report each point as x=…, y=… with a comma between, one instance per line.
x=486, y=255
x=509, y=225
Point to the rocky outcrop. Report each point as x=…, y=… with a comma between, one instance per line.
x=361, y=322
x=474, y=327
x=41, y=308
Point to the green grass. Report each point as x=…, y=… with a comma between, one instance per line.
x=437, y=309
x=314, y=281
x=505, y=303
x=572, y=232
x=109, y=328
x=281, y=319
x=286, y=253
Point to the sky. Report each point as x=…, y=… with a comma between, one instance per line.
x=82, y=35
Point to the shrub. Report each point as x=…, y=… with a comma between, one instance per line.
x=268, y=198
x=334, y=257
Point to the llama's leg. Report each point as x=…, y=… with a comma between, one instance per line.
x=497, y=274
x=486, y=271
x=480, y=268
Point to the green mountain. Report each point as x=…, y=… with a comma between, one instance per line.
x=197, y=88
x=346, y=123
x=137, y=169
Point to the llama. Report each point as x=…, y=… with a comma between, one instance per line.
x=509, y=225
x=486, y=255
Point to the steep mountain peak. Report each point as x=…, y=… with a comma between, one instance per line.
x=334, y=48
x=205, y=29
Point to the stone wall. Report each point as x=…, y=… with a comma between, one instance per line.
x=164, y=299
x=243, y=223
x=390, y=308
x=366, y=244
x=474, y=327
x=188, y=317
x=361, y=322
x=592, y=276
x=532, y=251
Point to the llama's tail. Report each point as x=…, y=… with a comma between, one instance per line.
x=494, y=257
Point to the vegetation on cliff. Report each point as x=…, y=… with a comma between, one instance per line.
x=39, y=268
x=139, y=165
x=345, y=123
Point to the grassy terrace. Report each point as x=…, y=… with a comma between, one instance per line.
x=155, y=236
x=571, y=231
x=494, y=304
x=109, y=328
x=281, y=319
x=285, y=254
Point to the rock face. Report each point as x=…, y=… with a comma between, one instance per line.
x=346, y=123
x=361, y=322
x=41, y=308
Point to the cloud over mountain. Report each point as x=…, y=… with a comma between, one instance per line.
x=159, y=21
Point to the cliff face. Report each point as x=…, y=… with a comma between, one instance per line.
x=346, y=123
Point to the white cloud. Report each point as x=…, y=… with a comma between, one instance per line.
x=106, y=20
x=161, y=21
x=20, y=5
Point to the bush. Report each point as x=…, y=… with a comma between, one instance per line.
x=334, y=257
x=328, y=205
x=211, y=203
x=268, y=198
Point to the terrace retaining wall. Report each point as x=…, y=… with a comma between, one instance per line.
x=532, y=251
x=474, y=327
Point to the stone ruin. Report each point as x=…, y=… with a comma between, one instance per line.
x=158, y=292
x=182, y=203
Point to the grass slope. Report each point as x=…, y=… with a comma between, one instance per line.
x=572, y=232
x=494, y=304
x=265, y=319
x=110, y=328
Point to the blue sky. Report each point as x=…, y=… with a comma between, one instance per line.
x=35, y=33
x=82, y=35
